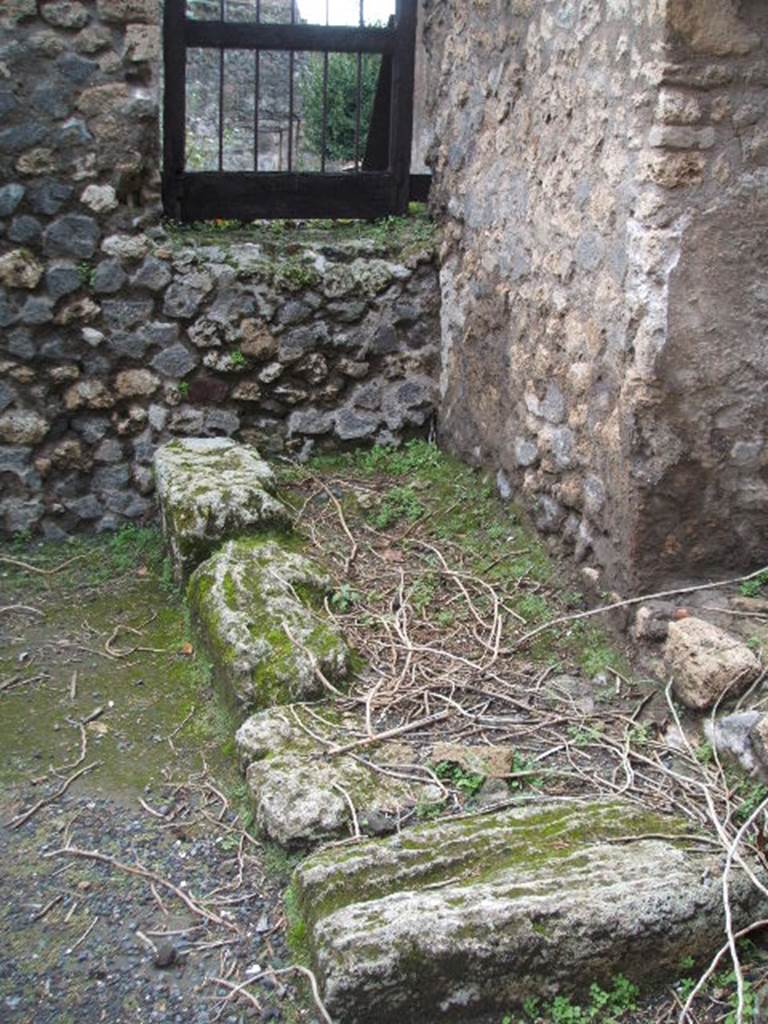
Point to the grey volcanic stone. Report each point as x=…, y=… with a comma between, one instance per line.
x=526, y=452
x=37, y=310
x=182, y=300
x=132, y=344
x=90, y=427
x=49, y=196
x=72, y=235
x=127, y=313
x=25, y=229
x=293, y=312
x=352, y=426
x=221, y=421
x=10, y=197
x=76, y=69
x=109, y=277
x=549, y=514
x=463, y=921
x=24, y=136
x=310, y=421
x=176, y=361
x=62, y=279
x=52, y=100
x=86, y=508
x=211, y=489
x=7, y=395
x=153, y=275
x=256, y=605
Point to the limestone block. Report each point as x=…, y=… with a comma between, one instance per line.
x=22, y=426
x=464, y=920
x=706, y=663
x=711, y=27
x=258, y=609
x=19, y=269
x=211, y=490
x=299, y=798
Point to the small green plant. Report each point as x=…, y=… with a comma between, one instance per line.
x=686, y=963
x=428, y=810
x=606, y=1006
x=583, y=736
x=468, y=783
x=444, y=619
x=525, y=766
x=400, y=503
x=704, y=753
x=344, y=599
x=237, y=360
x=293, y=275
x=85, y=272
x=753, y=588
x=639, y=735
x=183, y=387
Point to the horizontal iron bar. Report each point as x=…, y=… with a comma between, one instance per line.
x=244, y=195
x=249, y=36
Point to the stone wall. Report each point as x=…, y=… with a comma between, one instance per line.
x=116, y=334
x=599, y=167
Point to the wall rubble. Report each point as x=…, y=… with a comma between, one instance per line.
x=116, y=334
x=600, y=168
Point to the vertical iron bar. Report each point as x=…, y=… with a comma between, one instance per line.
x=174, y=106
x=324, y=120
x=359, y=96
x=401, y=113
x=221, y=94
x=290, y=94
x=324, y=123
x=256, y=91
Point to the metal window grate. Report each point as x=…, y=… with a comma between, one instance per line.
x=267, y=116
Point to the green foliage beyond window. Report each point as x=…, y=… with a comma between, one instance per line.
x=342, y=103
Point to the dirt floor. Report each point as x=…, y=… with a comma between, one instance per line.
x=132, y=888
x=107, y=713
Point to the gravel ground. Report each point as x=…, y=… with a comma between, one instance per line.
x=98, y=671
x=85, y=959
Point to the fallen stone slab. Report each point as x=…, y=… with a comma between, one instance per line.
x=258, y=608
x=458, y=919
x=211, y=490
x=301, y=796
x=706, y=663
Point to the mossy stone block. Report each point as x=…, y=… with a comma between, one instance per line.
x=211, y=490
x=462, y=921
x=258, y=608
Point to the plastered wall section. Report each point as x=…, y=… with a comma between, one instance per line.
x=599, y=167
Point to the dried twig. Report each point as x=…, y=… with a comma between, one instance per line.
x=141, y=872
x=21, y=819
x=17, y=564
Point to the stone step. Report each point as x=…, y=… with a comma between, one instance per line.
x=301, y=796
x=211, y=490
x=258, y=608
x=461, y=919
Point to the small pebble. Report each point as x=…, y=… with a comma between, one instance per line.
x=165, y=956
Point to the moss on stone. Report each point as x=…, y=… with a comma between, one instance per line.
x=468, y=852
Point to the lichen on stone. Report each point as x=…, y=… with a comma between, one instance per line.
x=258, y=608
x=212, y=490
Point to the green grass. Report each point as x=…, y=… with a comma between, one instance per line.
x=393, y=236
x=753, y=588
x=446, y=501
x=92, y=561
